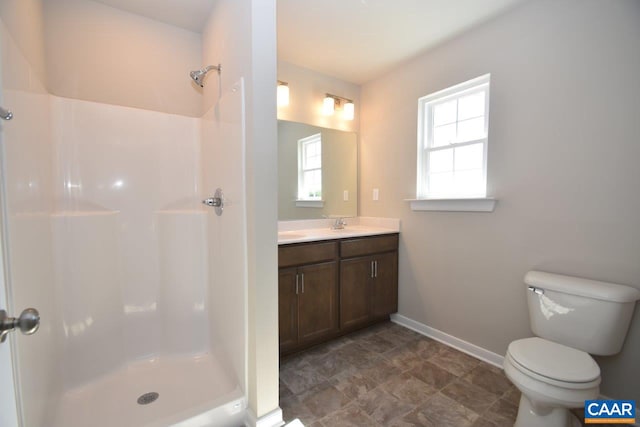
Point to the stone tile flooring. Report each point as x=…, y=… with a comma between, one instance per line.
x=388, y=375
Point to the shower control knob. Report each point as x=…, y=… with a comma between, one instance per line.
x=217, y=201
x=28, y=322
x=213, y=202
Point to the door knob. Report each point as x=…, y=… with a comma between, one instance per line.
x=28, y=323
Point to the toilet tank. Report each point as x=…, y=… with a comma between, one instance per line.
x=585, y=314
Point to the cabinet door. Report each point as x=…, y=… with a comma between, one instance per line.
x=385, y=285
x=317, y=301
x=355, y=292
x=287, y=308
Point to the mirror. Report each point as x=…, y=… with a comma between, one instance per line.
x=338, y=195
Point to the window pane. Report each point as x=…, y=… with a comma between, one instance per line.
x=312, y=184
x=444, y=113
x=312, y=155
x=469, y=157
x=440, y=184
x=471, y=129
x=469, y=183
x=471, y=106
x=444, y=135
x=441, y=161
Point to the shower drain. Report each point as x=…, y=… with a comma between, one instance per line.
x=147, y=398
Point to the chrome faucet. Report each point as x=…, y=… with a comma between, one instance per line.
x=339, y=224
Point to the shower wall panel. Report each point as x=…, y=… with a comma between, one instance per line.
x=183, y=304
x=142, y=167
x=223, y=150
x=88, y=296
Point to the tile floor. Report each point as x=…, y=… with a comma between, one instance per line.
x=388, y=375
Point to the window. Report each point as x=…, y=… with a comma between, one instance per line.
x=310, y=168
x=452, y=141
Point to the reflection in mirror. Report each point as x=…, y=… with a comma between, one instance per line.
x=317, y=172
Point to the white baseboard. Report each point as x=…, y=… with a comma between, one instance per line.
x=272, y=419
x=464, y=346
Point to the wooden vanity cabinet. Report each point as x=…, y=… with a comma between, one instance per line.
x=368, y=280
x=307, y=294
x=333, y=287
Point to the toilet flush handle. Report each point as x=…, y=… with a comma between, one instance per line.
x=537, y=291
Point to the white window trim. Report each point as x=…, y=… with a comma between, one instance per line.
x=302, y=203
x=472, y=203
x=301, y=171
x=479, y=204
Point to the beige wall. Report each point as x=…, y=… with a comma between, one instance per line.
x=563, y=162
x=339, y=171
x=307, y=89
x=98, y=53
x=24, y=21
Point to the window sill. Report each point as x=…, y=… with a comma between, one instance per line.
x=309, y=203
x=483, y=204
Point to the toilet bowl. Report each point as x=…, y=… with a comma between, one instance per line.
x=552, y=379
x=572, y=318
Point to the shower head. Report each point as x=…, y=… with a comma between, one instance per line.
x=198, y=75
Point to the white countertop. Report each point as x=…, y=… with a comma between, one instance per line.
x=317, y=230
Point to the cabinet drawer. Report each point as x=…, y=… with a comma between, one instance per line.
x=299, y=254
x=368, y=245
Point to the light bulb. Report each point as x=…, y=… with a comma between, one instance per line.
x=283, y=95
x=328, y=106
x=348, y=111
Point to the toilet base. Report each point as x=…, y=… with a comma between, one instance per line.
x=555, y=417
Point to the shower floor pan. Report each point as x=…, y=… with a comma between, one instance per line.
x=191, y=392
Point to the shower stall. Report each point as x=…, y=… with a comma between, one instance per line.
x=140, y=286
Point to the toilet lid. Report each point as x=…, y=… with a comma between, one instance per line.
x=553, y=360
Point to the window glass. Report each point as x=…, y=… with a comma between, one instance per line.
x=453, y=141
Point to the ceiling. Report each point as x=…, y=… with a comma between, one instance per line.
x=191, y=15
x=353, y=40
x=358, y=40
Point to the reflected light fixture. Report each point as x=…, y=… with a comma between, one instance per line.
x=328, y=105
x=283, y=93
x=333, y=102
x=348, y=111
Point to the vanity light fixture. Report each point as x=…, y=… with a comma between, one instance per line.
x=333, y=102
x=283, y=93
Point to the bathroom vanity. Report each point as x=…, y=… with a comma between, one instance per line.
x=334, y=282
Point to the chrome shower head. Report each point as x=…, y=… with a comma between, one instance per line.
x=199, y=75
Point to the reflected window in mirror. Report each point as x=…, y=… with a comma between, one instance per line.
x=310, y=168
x=338, y=180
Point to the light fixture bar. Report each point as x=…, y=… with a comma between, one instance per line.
x=339, y=99
x=331, y=102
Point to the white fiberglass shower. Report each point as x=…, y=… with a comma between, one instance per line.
x=141, y=287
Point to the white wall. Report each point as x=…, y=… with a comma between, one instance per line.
x=24, y=20
x=563, y=162
x=241, y=36
x=98, y=53
x=307, y=89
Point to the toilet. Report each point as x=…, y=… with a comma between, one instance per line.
x=571, y=318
